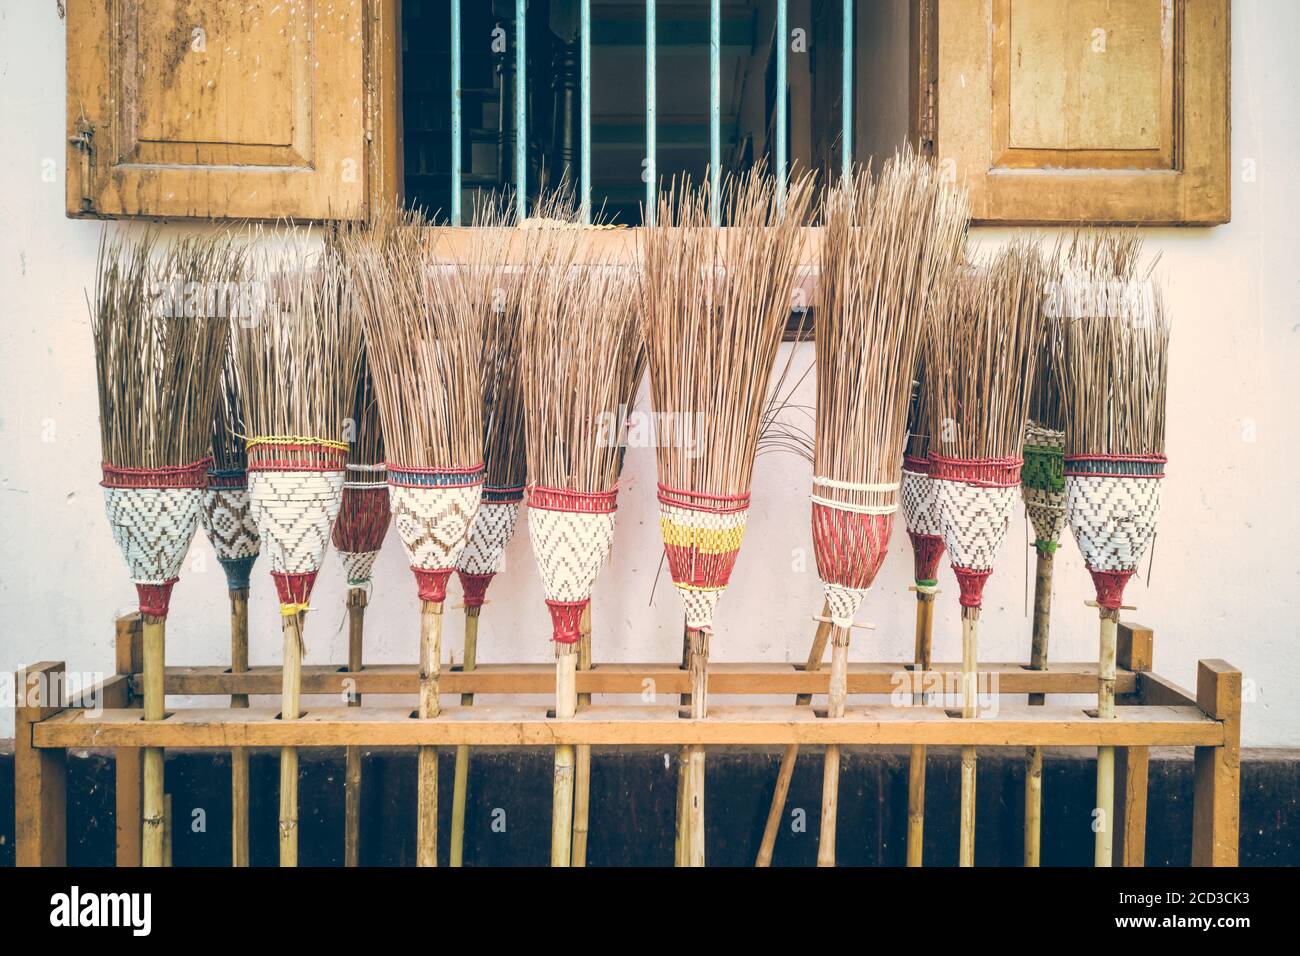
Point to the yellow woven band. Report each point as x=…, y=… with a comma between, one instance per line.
x=696, y=587
x=296, y=440
x=705, y=540
x=289, y=610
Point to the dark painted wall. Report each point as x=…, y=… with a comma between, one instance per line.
x=633, y=797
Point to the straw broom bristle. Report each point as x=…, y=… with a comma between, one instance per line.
x=1113, y=349
x=888, y=243
x=298, y=359
x=160, y=335
x=367, y=445
x=229, y=448
x=714, y=306
x=582, y=359
x=985, y=350
x=423, y=340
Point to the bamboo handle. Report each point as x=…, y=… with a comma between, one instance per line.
x=835, y=700
x=969, y=710
x=153, y=807
x=290, y=709
x=1033, y=805
x=1038, y=662
x=917, y=758
x=460, y=782
x=681, y=841
x=426, y=830
x=698, y=666
x=582, y=772
x=357, y=601
x=566, y=705
x=1104, y=845
x=239, y=779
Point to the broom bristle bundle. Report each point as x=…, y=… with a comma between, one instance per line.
x=160, y=334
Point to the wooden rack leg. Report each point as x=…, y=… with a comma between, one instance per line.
x=460, y=781
x=1216, y=809
x=129, y=769
x=582, y=771
x=1037, y=662
x=358, y=598
x=290, y=709
x=155, y=637
x=566, y=705
x=916, y=762
x=1104, y=823
x=40, y=776
x=969, y=710
x=239, y=755
x=681, y=843
x=167, y=829
x=1131, y=763
x=835, y=699
x=699, y=670
x=426, y=837
x=791, y=754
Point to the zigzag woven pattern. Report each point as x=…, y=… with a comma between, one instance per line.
x=920, y=500
x=153, y=528
x=1042, y=484
x=433, y=522
x=493, y=527
x=843, y=602
x=974, y=520
x=294, y=512
x=228, y=523
x=570, y=548
x=1113, y=518
x=359, y=566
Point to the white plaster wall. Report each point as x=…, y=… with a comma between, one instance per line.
x=1225, y=582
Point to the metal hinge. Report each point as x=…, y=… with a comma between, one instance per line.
x=84, y=142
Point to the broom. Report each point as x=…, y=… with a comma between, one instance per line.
x=986, y=353
x=424, y=345
x=714, y=305
x=1042, y=486
x=1114, y=368
x=887, y=245
x=158, y=362
x=229, y=525
x=581, y=359
x=496, y=297
x=298, y=365
x=358, y=537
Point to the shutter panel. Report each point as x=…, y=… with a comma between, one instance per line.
x=205, y=108
x=1112, y=111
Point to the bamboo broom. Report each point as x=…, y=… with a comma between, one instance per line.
x=424, y=346
x=888, y=244
x=495, y=292
x=582, y=358
x=714, y=306
x=358, y=537
x=229, y=525
x=158, y=362
x=1114, y=371
x=298, y=365
x=987, y=349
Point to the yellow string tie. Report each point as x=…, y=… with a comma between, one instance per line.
x=297, y=440
x=289, y=610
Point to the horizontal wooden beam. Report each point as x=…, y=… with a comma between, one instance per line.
x=665, y=725
x=634, y=678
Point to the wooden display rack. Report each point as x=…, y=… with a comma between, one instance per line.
x=1152, y=712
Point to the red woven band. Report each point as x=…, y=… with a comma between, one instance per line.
x=927, y=549
x=849, y=546
x=362, y=521
x=984, y=472
x=1110, y=587
x=561, y=499
x=294, y=588
x=920, y=466
x=193, y=475
x=155, y=599
x=475, y=587
x=432, y=583
x=972, y=585
x=566, y=617
x=287, y=456
x=702, y=501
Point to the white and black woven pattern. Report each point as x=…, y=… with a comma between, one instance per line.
x=359, y=566
x=699, y=604
x=294, y=512
x=228, y=522
x=153, y=527
x=570, y=548
x=433, y=522
x=974, y=520
x=843, y=602
x=488, y=536
x=920, y=500
x=1113, y=518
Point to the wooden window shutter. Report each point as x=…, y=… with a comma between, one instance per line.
x=264, y=109
x=1113, y=111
